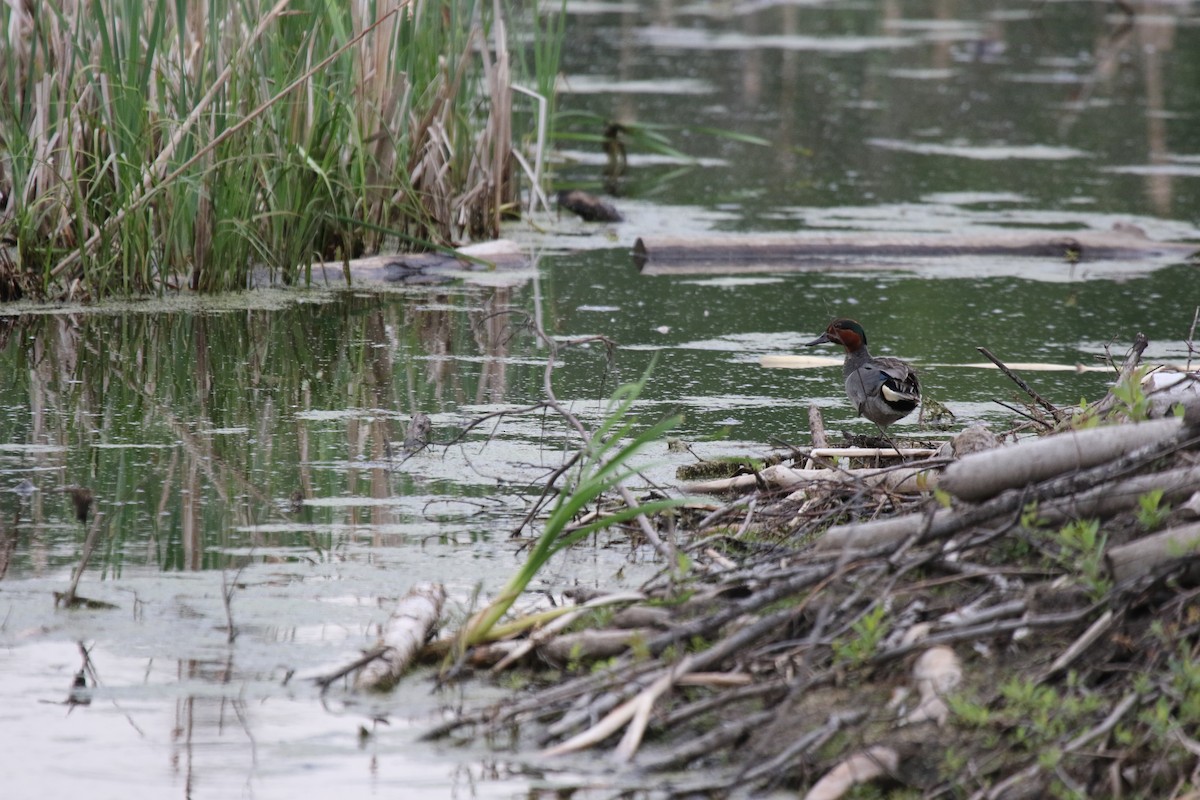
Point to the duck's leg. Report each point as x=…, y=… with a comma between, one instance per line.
x=886, y=438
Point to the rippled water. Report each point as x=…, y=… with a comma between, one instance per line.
x=255, y=442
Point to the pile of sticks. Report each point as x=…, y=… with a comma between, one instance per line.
x=1023, y=621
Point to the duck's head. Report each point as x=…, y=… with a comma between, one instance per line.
x=846, y=332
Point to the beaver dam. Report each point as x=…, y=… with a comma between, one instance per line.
x=1011, y=616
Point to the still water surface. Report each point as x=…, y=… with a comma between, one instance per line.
x=254, y=442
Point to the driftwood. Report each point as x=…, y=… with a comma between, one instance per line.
x=654, y=255
x=816, y=426
x=415, y=616
x=1104, y=499
x=816, y=429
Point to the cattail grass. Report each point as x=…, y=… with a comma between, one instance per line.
x=152, y=145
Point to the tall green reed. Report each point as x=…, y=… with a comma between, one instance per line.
x=150, y=145
x=604, y=463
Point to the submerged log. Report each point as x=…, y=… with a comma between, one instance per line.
x=654, y=255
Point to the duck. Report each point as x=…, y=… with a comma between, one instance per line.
x=884, y=389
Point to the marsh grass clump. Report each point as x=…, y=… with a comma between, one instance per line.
x=145, y=146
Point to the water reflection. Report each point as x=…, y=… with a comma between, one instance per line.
x=205, y=429
x=820, y=80
x=255, y=443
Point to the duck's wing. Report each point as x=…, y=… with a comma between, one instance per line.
x=898, y=381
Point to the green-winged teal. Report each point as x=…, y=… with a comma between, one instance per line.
x=882, y=389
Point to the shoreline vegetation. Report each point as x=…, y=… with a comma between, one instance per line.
x=151, y=147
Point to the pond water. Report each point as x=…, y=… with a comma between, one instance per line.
x=252, y=445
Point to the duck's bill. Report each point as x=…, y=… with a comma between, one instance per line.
x=822, y=339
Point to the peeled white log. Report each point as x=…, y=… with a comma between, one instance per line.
x=1141, y=556
x=871, y=452
x=904, y=480
x=404, y=634
x=982, y=475
x=776, y=475
x=1165, y=388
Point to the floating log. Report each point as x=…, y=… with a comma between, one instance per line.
x=803, y=252
x=816, y=362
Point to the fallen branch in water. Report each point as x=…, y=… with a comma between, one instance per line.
x=402, y=638
x=406, y=631
x=1025, y=387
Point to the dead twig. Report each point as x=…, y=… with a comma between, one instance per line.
x=325, y=681
x=1019, y=381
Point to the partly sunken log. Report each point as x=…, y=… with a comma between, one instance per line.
x=657, y=255
x=422, y=267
